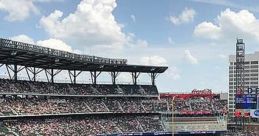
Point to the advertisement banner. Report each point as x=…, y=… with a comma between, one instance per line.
x=254, y=113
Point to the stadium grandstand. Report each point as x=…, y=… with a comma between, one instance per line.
x=198, y=112
x=33, y=107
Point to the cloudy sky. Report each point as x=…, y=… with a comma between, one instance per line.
x=192, y=37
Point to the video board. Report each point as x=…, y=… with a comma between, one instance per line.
x=247, y=100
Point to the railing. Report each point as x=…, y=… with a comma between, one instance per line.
x=68, y=95
x=78, y=81
x=58, y=80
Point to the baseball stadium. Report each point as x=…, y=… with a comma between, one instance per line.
x=129, y=68
x=30, y=106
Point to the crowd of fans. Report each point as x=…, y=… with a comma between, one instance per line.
x=43, y=105
x=10, y=86
x=15, y=105
x=242, y=132
x=24, y=103
x=220, y=105
x=87, y=126
x=10, y=105
x=198, y=105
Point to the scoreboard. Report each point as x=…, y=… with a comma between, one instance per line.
x=247, y=100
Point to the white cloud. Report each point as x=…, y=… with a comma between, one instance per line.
x=189, y=57
x=186, y=16
x=92, y=23
x=133, y=18
x=172, y=71
x=23, y=38
x=55, y=44
x=153, y=60
x=208, y=30
x=229, y=25
x=49, y=43
x=133, y=41
x=17, y=10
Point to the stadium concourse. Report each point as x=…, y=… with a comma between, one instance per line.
x=31, y=107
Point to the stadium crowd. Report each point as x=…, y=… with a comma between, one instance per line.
x=242, y=132
x=88, y=126
x=11, y=86
x=198, y=105
x=16, y=105
x=10, y=105
x=43, y=105
x=22, y=102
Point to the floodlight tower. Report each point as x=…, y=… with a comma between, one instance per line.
x=240, y=75
x=240, y=66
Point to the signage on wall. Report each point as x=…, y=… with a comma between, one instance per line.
x=254, y=113
x=247, y=100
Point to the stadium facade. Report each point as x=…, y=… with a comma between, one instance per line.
x=251, y=75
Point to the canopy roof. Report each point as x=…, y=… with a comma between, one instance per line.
x=13, y=52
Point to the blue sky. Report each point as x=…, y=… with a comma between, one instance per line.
x=192, y=37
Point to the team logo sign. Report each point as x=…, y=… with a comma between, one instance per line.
x=256, y=112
